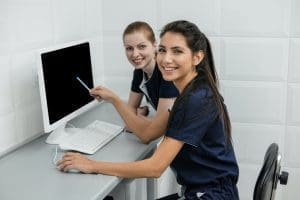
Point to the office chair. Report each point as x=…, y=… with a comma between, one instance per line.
x=269, y=175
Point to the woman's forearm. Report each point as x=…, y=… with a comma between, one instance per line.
x=138, y=169
x=137, y=124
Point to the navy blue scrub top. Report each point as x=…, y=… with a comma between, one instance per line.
x=156, y=86
x=205, y=156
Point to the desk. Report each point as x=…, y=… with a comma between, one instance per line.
x=28, y=173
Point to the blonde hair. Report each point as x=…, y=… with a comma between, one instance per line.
x=139, y=26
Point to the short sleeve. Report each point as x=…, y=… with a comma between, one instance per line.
x=167, y=90
x=136, y=81
x=191, y=120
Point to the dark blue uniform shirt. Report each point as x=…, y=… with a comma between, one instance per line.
x=205, y=156
x=156, y=86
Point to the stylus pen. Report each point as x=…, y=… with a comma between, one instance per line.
x=82, y=83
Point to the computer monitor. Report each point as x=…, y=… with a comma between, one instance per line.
x=62, y=72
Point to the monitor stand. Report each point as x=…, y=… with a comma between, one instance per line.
x=58, y=135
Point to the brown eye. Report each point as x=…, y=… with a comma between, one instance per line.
x=142, y=46
x=128, y=48
x=161, y=50
x=177, y=51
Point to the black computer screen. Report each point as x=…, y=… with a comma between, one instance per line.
x=64, y=93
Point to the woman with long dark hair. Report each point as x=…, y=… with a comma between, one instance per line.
x=205, y=165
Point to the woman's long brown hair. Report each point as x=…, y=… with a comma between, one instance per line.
x=206, y=71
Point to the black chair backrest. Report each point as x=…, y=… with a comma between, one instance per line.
x=266, y=180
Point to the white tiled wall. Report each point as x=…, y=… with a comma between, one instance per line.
x=97, y=59
x=30, y=24
x=294, y=60
x=6, y=97
x=113, y=66
x=69, y=19
x=118, y=14
x=293, y=109
x=255, y=18
x=261, y=59
x=246, y=183
x=256, y=48
x=295, y=18
x=255, y=102
x=245, y=136
x=292, y=149
x=204, y=13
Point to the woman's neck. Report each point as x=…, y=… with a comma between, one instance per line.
x=150, y=68
x=180, y=84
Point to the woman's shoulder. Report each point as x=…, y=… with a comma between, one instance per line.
x=201, y=91
x=138, y=72
x=196, y=97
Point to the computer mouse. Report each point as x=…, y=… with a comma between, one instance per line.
x=73, y=171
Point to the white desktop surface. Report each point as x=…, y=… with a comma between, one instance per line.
x=28, y=173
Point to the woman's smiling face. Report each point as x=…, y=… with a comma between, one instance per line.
x=139, y=50
x=175, y=59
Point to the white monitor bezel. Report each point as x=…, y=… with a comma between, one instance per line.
x=61, y=122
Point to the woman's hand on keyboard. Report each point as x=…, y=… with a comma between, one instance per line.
x=75, y=161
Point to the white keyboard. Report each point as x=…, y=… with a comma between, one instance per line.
x=93, y=137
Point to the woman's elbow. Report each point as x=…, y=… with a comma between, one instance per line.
x=154, y=168
x=156, y=172
x=145, y=140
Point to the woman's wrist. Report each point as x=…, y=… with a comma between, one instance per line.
x=115, y=100
x=94, y=167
